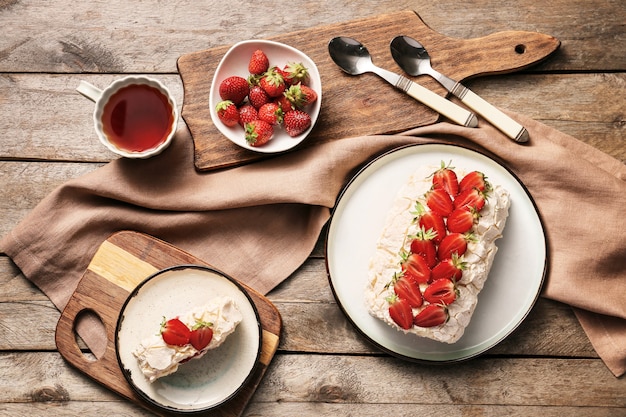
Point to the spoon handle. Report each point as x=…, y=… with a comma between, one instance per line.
x=440, y=104
x=491, y=113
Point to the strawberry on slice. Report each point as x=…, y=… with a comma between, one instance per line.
x=461, y=220
x=454, y=243
x=415, y=267
x=451, y=268
x=474, y=179
x=234, y=88
x=432, y=315
x=471, y=198
x=296, y=122
x=300, y=95
x=271, y=113
x=430, y=221
x=439, y=201
x=400, y=311
x=423, y=244
x=441, y=291
x=174, y=332
x=258, y=97
x=258, y=132
x=272, y=82
x=227, y=112
x=259, y=63
x=406, y=288
x=247, y=113
x=445, y=178
x=201, y=335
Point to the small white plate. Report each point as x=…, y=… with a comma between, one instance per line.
x=515, y=279
x=200, y=384
x=235, y=62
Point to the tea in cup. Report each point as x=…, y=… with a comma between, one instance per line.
x=135, y=117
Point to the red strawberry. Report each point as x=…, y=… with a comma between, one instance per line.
x=430, y=221
x=258, y=132
x=273, y=83
x=247, y=113
x=201, y=335
x=406, y=288
x=446, y=178
x=258, y=97
x=432, y=315
x=474, y=179
x=451, y=268
x=415, y=266
x=439, y=201
x=453, y=243
x=424, y=245
x=295, y=72
x=259, y=63
x=461, y=220
x=400, y=312
x=175, y=332
x=227, y=112
x=271, y=113
x=284, y=103
x=234, y=88
x=296, y=122
x=441, y=291
x=470, y=198
x=300, y=95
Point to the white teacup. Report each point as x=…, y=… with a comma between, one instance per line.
x=135, y=116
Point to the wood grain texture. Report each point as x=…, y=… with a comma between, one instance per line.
x=353, y=106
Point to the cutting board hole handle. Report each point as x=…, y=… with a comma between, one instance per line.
x=89, y=323
x=520, y=48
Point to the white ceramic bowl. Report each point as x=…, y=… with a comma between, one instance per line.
x=235, y=62
x=200, y=384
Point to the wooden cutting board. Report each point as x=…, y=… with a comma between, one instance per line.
x=365, y=104
x=124, y=260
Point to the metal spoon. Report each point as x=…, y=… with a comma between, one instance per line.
x=413, y=58
x=352, y=57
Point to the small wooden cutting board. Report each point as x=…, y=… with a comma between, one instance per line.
x=122, y=262
x=365, y=104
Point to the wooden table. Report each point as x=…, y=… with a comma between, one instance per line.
x=323, y=367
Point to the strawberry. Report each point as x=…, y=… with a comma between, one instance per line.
x=258, y=132
x=446, y=178
x=415, y=266
x=295, y=72
x=474, y=179
x=441, y=291
x=300, y=95
x=234, y=88
x=424, y=245
x=461, y=220
x=284, y=103
x=259, y=63
x=430, y=221
x=296, y=122
x=451, y=268
x=439, y=201
x=472, y=197
x=247, y=113
x=227, y=112
x=406, y=288
x=400, y=311
x=175, y=332
x=271, y=113
x=453, y=243
x=201, y=335
x=432, y=315
x=273, y=83
x=258, y=97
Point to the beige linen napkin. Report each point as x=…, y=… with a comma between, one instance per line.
x=259, y=222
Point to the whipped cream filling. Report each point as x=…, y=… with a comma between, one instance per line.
x=157, y=359
x=479, y=256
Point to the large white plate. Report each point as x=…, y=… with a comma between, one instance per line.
x=510, y=291
x=200, y=384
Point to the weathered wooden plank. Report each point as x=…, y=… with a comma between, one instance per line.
x=101, y=36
